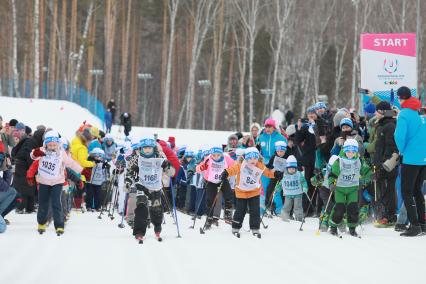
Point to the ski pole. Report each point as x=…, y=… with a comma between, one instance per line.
x=269, y=203
x=197, y=208
x=174, y=208
x=166, y=199
x=325, y=211
x=104, y=205
x=202, y=230
x=307, y=210
x=115, y=202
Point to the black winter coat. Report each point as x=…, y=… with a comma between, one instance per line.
x=21, y=156
x=307, y=143
x=385, y=145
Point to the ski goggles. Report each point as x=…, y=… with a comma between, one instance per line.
x=280, y=148
x=291, y=165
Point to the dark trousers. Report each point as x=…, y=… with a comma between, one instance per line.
x=324, y=194
x=412, y=178
x=253, y=205
x=27, y=203
x=94, y=196
x=143, y=210
x=193, y=199
x=46, y=195
x=181, y=196
x=12, y=205
x=211, y=191
x=309, y=172
x=200, y=201
x=387, y=195
x=269, y=201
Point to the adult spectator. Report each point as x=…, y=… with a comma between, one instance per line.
x=289, y=116
x=7, y=193
x=410, y=137
x=21, y=156
x=6, y=135
x=112, y=107
x=126, y=121
x=385, y=148
x=251, y=140
x=108, y=120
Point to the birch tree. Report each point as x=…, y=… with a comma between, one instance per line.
x=36, y=50
x=15, y=51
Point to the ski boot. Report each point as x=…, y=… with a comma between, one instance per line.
x=41, y=228
x=333, y=231
x=59, y=231
x=342, y=227
x=139, y=238
x=236, y=232
x=412, y=231
x=228, y=216
x=256, y=233
x=353, y=232
x=157, y=236
x=400, y=227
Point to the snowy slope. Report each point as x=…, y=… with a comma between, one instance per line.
x=97, y=251
x=63, y=116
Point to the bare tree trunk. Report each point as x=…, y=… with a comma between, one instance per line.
x=163, y=59
x=15, y=51
x=52, y=50
x=419, y=32
x=91, y=53
x=228, y=105
x=41, y=43
x=110, y=17
x=354, y=57
x=134, y=68
x=173, y=8
x=242, y=63
x=36, y=50
x=125, y=52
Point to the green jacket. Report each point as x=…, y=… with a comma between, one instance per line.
x=365, y=171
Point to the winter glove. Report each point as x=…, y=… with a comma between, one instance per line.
x=145, y=190
x=31, y=181
x=204, y=165
x=91, y=159
x=278, y=175
x=106, y=165
x=190, y=174
x=37, y=152
x=86, y=172
x=80, y=185
x=165, y=165
x=224, y=175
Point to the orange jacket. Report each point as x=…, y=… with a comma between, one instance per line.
x=235, y=171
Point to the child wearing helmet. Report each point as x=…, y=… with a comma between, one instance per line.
x=344, y=180
x=293, y=186
x=248, y=172
x=152, y=164
x=95, y=194
x=52, y=161
x=212, y=167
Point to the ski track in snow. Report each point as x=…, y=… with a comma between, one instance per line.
x=97, y=251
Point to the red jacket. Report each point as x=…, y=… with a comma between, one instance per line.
x=171, y=156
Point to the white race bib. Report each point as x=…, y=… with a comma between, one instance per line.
x=249, y=177
x=49, y=166
x=150, y=172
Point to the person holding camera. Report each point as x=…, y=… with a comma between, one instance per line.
x=384, y=149
x=410, y=136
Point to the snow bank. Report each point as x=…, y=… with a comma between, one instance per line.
x=63, y=116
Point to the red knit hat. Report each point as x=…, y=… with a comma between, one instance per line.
x=270, y=122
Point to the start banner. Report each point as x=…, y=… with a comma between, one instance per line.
x=388, y=61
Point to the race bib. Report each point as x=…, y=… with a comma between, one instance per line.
x=215, y=170
x=150, y=172
x=98, y=175
x=49, y=166
x=249, y=177
x=349, y=173
x=279, y=164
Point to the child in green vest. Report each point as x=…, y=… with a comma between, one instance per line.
x=344, y=180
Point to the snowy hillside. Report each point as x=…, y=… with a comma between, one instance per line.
x=64, y=116
x=97, y=251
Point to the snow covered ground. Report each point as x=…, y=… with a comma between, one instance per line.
x=97, y=251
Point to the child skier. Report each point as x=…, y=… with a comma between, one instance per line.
x=109, y=147
x=95, y=194
x=213, y=166
x=293, y=185
x=52, y=163
x=152, y=163
x=247, y=190
x=344, y=180
x=278, y=163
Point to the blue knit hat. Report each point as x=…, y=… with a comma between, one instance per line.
x=346, y=121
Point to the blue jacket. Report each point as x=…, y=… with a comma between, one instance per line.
x=410, y=137
x=5, y=181
x=94, y=144
x=267, y=144
x=108, y=119
x=109, y=150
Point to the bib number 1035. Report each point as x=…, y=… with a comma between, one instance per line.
x=48, y=165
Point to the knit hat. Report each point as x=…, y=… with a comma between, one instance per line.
x=320, y=105
x=251, y=153
x=147, y=141
x=270, y=122
x=370, y=108
x=28, y=130
x=13, y=122
x=291, y=162
x=346, y=121
x=51, y=136
x=189, y=153
x=311, y=109
x=97, y=152
x=290, y=130
x=350, y=145
x=255, y=124
x=216, y=150
x=94, y=131
x=280, y=146
x=20, y=126
x=383, y=105
x=232, y=136
x=108, y=137
x=404, y=93
x=338, y=117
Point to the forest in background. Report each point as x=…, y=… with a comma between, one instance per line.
x=214, y=64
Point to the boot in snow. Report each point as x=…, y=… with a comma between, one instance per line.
x=400, y=227
x=353, y=232
x=333, y=231
x=228, y=216
x=59, y=231
x=412, y=231
x=41, y=228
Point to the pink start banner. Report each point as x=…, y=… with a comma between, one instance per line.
x=388, y=61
